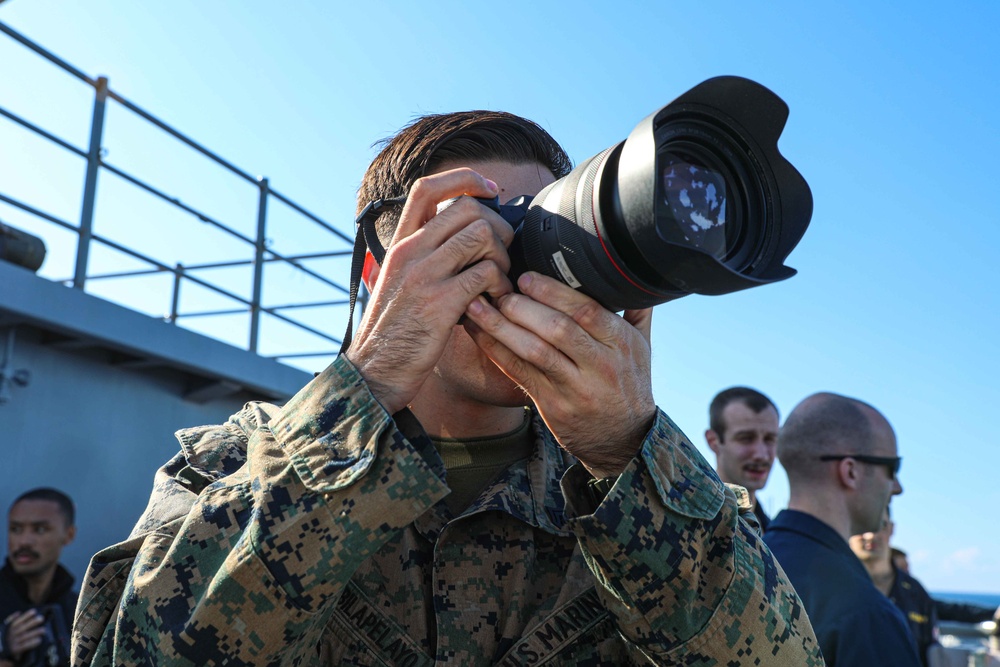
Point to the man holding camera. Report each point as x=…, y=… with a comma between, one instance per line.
x=36, y=592
x=498, y=491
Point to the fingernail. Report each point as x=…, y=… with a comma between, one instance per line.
x=524, y=281
x=494, y=188
x=476, y=307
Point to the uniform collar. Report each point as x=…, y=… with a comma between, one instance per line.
x=527, y=490
x=62, y=583
x=813, y=528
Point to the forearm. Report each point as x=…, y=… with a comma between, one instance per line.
x=962, y=612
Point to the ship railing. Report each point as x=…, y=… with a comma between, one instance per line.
x=259, y=243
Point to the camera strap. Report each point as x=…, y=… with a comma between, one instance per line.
x=366, y=239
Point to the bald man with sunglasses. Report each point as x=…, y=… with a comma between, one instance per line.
x=842, y=463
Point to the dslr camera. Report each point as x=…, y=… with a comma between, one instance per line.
x=697, y=200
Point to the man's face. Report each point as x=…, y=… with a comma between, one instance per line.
x=873, y=546
x=878, y=484
x=36, y=535
x=464, y=373
x=745, y=451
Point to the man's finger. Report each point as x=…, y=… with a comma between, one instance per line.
x=598, y=322
x=641, y=320
x=532, y=355
x=429, y=191
x=477, y=241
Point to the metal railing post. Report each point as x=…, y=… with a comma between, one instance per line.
x=258, y=263
x=175, y=298
x=90, y=184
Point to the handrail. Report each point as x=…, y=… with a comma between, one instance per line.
x=180, y=137
x=55, y=60
x=259, y=247
x=47, y=135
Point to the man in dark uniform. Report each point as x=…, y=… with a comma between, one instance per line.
x=872, y=549
x=37, y=599
x=842, y=463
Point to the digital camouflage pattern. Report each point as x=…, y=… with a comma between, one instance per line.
x=312, y=535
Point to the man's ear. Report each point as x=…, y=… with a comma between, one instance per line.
x=848, y=473
x=369, y=273
x=70, y=534
x=713, y=440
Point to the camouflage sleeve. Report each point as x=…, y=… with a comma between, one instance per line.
x=687, y=580
x=249, y=574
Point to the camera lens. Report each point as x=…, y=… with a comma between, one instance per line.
x=697, y=200
x=695, y=195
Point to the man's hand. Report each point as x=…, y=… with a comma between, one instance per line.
x=23, y=632
x=436, y=265
x=586, y=369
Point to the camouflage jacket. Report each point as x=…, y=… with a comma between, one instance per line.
x=312, y=535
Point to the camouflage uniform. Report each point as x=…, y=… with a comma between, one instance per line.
x=312, y=534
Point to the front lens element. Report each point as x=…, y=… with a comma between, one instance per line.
x=695, y=197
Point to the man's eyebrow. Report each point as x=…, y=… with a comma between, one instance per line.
x=43, y=522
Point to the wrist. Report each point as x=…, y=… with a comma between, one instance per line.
x=383, y=392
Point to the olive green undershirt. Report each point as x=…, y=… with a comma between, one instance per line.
x=475, y=462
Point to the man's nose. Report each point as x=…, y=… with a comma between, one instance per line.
x=897, y=488
x=760, y=449
x=22, y=538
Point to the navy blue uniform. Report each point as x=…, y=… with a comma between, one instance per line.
x=856, y=625
x=909, y=595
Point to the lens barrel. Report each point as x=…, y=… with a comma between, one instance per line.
x=696, y=200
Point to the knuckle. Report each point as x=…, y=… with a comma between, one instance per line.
x=589, y=312
x=421, y=187
x=481, y=231
x=467, y=206
x=567, y=331
x=543, y=357
x=459, y=248
x=475, y=278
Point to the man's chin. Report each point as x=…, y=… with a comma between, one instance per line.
x=28, y=570
x=754, y=484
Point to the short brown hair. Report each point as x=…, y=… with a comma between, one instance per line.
x=752, y=398
x=433, y=140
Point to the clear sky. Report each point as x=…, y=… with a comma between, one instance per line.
x=893, y=122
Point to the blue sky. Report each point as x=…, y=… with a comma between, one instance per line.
x=893, y=123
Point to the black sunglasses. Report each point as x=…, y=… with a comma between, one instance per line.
x=892, y=463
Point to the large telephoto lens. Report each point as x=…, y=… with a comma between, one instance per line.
x=697, y=200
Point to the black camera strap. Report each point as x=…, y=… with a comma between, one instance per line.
x=366, y=239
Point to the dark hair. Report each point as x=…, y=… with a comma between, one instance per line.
x=825, y=424
x=752, y=398
x=467, y=136
x=66, y=507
